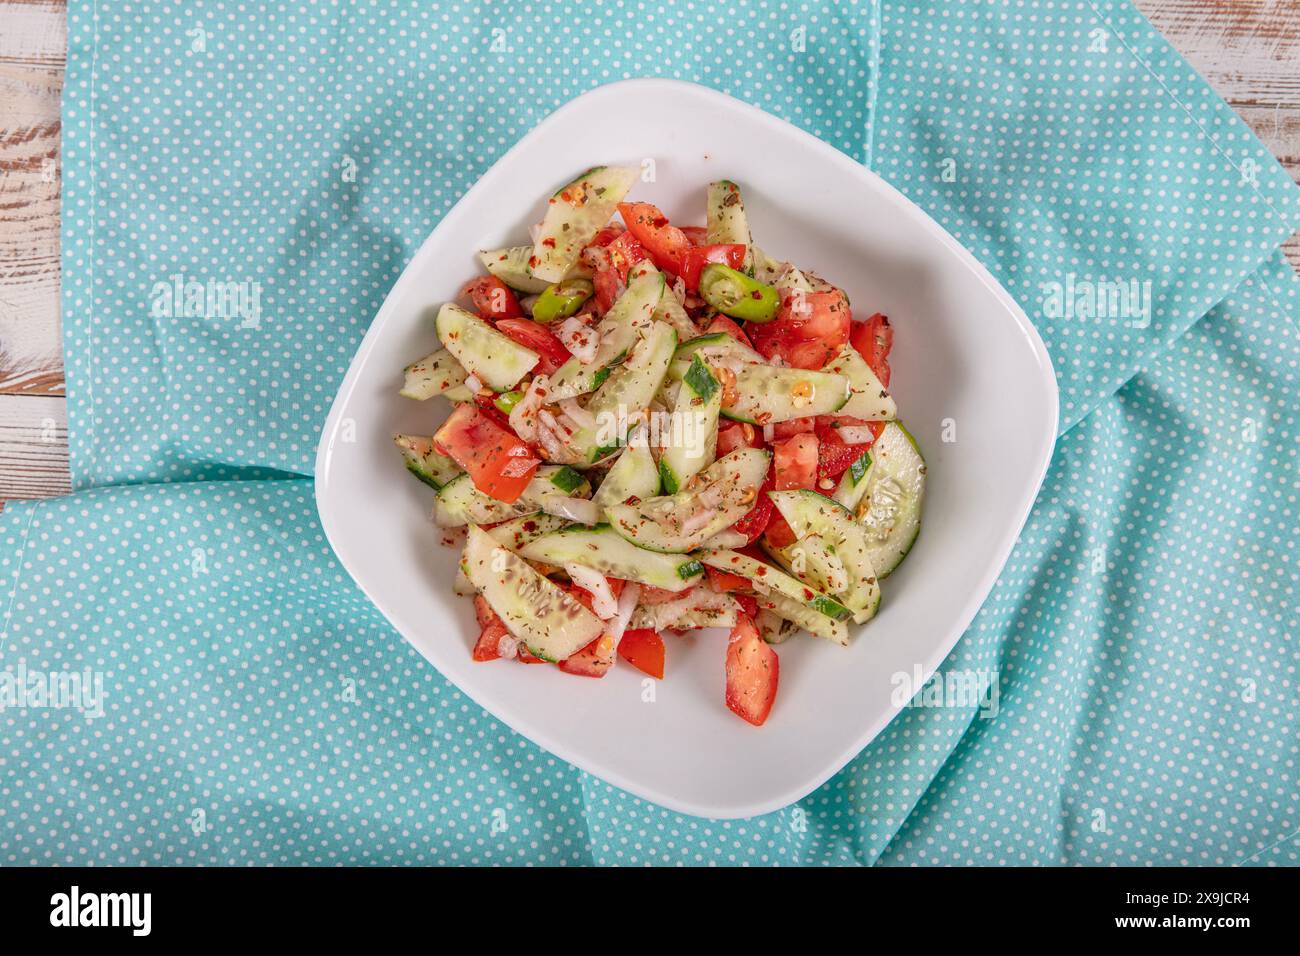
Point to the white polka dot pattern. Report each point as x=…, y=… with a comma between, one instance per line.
x=258, y=710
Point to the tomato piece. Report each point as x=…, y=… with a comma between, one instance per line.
x=753, y=524
x=527, y=657
x=697, y=257
x=809, y=329
x=606, y=234
x=624, y=253
x=778, y=533
x=795, y=426
x=498, y=462
x=594, y=660
x=644, y=650
x=722, y=323
x=551, y=351
x=608, y=288
x=873, y=339
x=483, y=612
x=488, y=645
x=666, y=243
x=492, y=298
x=834, y=457
x=795, y=462
x=748, y=603
x=753, y=672
x=653, y=595
x=724, y=581
x=698, y=235
x=735, y=435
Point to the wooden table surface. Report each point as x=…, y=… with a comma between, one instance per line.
x=1249, y=50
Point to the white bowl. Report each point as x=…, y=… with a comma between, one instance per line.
x=964, y=354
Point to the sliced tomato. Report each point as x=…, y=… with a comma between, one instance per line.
x=644, y=650
x=809, y=329
x=778, y=533
x=753, y=524
x=748, y=603
x=651, y=595
x=753, y=672
x=735, y=435
x=594, y=660
x=492, y=298
x=697, y=257
x=624, y=253
x=498, y=462
x=483, y=612
x=724, y=581
x=608, y=287
x=488, y=645
x=722, y=323
x=834, y=458
x=795, y=426
x=607, y=234
x=795, y=462
x=873, y=339
x=540, y=339
x=666, y=243
x=698, y=235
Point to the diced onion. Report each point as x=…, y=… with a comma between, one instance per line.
x=855, y=434
x=698, y=520
x=627, y=602
x=727, y=538
x=523, y=417
x=534, y=231
x=580, y=416
x=507, y=647
x=473, y=383
x=579, y=338
x=574, y=509
x=594, y=583
x=769, y=433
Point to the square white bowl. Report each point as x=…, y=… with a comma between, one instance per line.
x=964, y=351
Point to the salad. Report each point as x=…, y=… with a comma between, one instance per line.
x=657, y=428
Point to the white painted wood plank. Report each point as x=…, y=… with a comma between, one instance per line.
x=33, y=447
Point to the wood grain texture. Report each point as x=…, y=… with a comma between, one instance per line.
x=1249, y=50
x=33, y=446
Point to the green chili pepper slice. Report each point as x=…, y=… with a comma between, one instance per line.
x=561, y=300
x=738, y=295
x=506, y=401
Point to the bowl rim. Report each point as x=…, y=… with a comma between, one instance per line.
x=978, y=595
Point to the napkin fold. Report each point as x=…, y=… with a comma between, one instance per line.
x=234, y=214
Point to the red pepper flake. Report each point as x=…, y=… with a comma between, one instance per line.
x=548, y=243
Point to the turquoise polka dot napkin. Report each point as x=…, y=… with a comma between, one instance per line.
x=187, y=675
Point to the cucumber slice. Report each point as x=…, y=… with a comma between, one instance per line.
x=766, y=269
x=460, y=503
x=549, y=621
x=853, y=483
x=618, y=404
x=603, y=550
x=517, y=532
x=498, y=361
x=809, y=513
x=789, y=279
x=432, y=375
x=574, y=215
x=692, y=428
x=423, y=461
x=812, y=559
x=890, y=512
x=770, y=580
x=804, y=616
x=869, y=400
x=510, y=265
x=766, y=395
x=701, y=608
x=774, y=628
x=712, y=348
x=626, y=319
x=719, y=496
x=458, y=395
x=669, y=309
x=634, y=475
x=726, y=219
